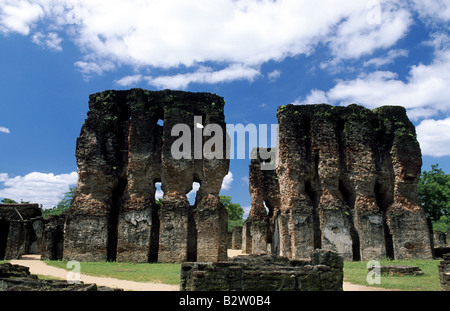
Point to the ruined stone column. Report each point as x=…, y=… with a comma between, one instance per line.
x=406, y=218
x=264, y=194
x=361, y=149
x=332, y=228
x=296, y=217
x=236, y=238
x=138, y=222
x=91, y=224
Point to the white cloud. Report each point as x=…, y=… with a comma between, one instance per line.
x=50, y=40
x=4, y=130
x=314, y=97
x=205, y=75
x=274, y=75
x=227, y=180
x=246, y=210
x=129, y=80
x=90, y=69
x=356, y=35
x=388, y=59
x=46, y=189
x=19, y=16
x=434, y=137
x=433, y=10
x=424, y=93
x=175, y=33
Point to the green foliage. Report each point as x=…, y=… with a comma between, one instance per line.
x=235, y=212
x=8, y=201
x=434, y=193
x=62, y=206
x=443, y=224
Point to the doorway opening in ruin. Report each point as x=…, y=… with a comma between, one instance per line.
x=158, y=191
x=269, y=215
x=192, y=225
x=113, y=221
x=349, y=197
x=383, y=200
x=154, y=232
x=4, y=230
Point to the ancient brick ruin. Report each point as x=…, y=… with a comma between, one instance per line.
x=347, y=181
x=123, y=150
x=341, y=178
x=21, y=227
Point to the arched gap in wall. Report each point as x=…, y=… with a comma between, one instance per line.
x=192, y=225
x=269, y=214
x=154, y=232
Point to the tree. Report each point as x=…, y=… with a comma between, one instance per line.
x=8, y=201
x=434, y=194
x=62, y=206
x=235, y=212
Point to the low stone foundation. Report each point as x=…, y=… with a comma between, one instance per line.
x=397, y=270
x=444, y=273
x=323, y=272
x=18, y=278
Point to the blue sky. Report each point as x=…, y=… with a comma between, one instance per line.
x=258, y=55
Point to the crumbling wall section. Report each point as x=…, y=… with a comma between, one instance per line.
x=348, y=182
x=124, y=149
x=265, y=203
x=20, y=230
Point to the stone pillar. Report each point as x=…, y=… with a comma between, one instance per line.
x=360, y=149
x=212, y=227
x=16, y=245
x=52, y=238
x=246, y=238
x=406, y=218
x=135, y=230
x=173, y=231
x=236, y=238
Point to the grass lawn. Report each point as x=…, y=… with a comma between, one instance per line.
x=139, y=272
x=356, y=273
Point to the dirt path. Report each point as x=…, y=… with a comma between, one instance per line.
x=39, y=267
